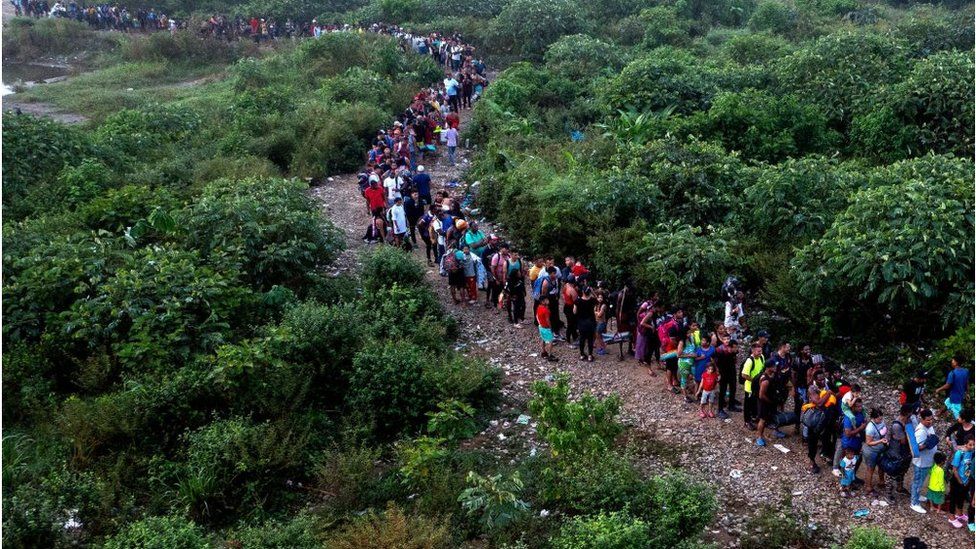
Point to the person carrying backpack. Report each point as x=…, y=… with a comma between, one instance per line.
x=816, y=415
x=751, y=369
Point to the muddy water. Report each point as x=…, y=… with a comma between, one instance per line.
x=15, y=74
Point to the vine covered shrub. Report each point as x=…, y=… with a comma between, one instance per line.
x=160, y=533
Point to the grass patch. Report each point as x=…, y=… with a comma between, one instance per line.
x=100, y=93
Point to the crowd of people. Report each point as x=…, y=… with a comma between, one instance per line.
x=868, y=450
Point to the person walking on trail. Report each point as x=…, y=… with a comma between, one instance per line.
x=602, y=313
x=414, y=207
x=422, y=182
x=498, y=268
x=923, y=443
x=570, y=295
x=515, y=291
x=584, y=310
x=765, y=403
x=451, y=137
x=725, y=356
x=545, y=330
x=875, y=444
x=957, y=384
x=819, y=413
x=398, y=221
x=752, y=368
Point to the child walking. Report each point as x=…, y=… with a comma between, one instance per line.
x=848, y=466
x=708, y=390
x=936, y=492
x=961, y=486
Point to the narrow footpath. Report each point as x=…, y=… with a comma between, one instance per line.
x=670, y=432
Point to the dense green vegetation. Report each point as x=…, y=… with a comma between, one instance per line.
x=182, y=371
x=822, y=151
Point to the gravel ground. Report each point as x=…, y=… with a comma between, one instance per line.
x=709, y=449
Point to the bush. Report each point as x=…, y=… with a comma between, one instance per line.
x=868, y=537
x=664, y=78
x=929, y=111
x=386, y=266
x=793, y=202
x=841, y=72
x=392, y=528
x=607, y=481
x=333, y=140
x=495, y=498
x=325, y=338
x=768, y=128
x=271, y=226
x=773, y=16
x=31, y=39
x=754, y=48
x=686, y=264
x=617, y=530
x=301, y=532
x=389, y=387
x=35, y=151
x=903, y=246
x=584, y=427
x=527, y=27
x=184, y=46
x=224, y=167
x=665, y=26
x=160, y=533
x=929, y=29
x=580, y=57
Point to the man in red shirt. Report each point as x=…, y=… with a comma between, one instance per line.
x=545, y=330
x=375, y=197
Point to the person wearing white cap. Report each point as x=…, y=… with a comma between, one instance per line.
x=422, y=181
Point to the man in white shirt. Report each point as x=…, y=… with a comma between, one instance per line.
x=398, y=221
x=923, y=451
x=392, y=186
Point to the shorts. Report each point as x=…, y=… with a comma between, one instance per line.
x=672, y=365
x=937, y=498
x=954, y=408
x=709, y=396
x=684, y=371
x=456, y=279
x=871, y=457
x=545, y=334
x=766, y=410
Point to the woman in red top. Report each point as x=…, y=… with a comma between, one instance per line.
x=708, y=389
x=570, y=295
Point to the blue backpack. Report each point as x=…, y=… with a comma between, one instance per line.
x=537, y=287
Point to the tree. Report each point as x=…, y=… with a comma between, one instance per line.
x=931, y=110
x=902, y=248
x=664, y=78
x=527, y=27
x=840, y=72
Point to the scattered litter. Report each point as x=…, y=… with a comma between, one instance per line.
x=866, y=372
x=728, y=420
x=331, y=179
x=861, y=513
x=775, y=468
x=879, y=503
x=523, y=419
x=781, y=448
x=533, y=355
x=501, y=436
x=544, y=513
x=798, y=493
x=735, y=473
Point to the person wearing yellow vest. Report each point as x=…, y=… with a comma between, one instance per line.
x=752, y=368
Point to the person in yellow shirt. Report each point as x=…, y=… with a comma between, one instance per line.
x=936, y=492
x=537, y=267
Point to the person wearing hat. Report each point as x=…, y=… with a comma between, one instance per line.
x=422, y=182
x=767, y=348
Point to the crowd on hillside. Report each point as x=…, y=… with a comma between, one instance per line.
x=867, y=448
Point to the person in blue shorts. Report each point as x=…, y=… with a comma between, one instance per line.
x=957, y=383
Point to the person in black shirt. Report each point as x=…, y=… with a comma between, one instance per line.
x=584, y=309
x=914, y=389
x=725, y=356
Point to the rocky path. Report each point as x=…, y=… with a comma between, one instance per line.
x=723, y=453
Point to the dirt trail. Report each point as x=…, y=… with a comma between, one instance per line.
x=710, y=449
